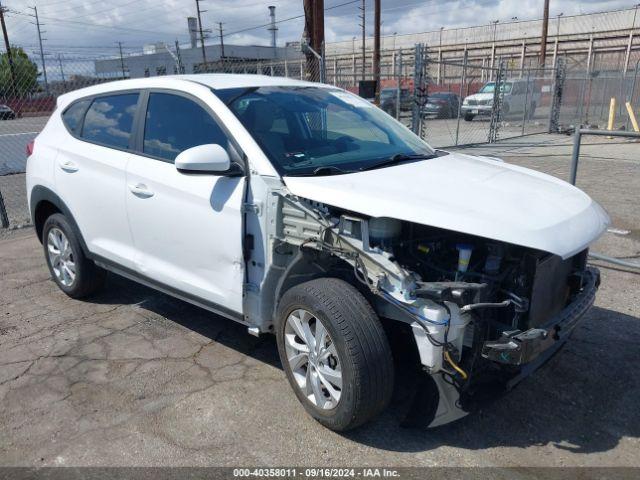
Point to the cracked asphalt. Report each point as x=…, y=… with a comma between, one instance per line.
x=132, y=377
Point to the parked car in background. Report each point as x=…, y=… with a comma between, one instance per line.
x=6, y=113
x=515, y=95
x=389, y=99
x=442, y=105
x=302, y=210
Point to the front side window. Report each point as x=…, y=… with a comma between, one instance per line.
x=313, y=130
x=109, y=120
x=174, y=123
x=72, y=116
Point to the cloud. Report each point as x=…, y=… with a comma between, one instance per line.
x=87, y=28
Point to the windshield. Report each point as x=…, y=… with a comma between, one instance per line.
x=491, y=86
x=312, y=130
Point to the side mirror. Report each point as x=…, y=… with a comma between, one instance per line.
x=204, y=158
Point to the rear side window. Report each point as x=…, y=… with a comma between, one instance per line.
x=174, y=123
x=109, y=120
x=72, y=116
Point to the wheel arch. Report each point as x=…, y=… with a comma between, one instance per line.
x=305, y=266
x=44, y=203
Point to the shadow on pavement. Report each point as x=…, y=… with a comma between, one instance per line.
x=583, y=400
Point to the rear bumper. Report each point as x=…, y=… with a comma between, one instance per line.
x=476, y=109
x=533, y=347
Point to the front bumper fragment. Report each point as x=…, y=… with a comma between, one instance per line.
x=521, y=348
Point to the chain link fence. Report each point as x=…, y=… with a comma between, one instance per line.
x=457, y=100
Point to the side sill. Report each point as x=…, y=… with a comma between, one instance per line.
x=192, y=299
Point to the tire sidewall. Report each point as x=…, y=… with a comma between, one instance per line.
x=343, y=412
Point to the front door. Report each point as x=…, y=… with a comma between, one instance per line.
x=187, y=227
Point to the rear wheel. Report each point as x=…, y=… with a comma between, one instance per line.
x=335, y=353
x=75, y=275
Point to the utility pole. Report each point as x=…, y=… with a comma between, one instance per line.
x=221, y=40
x=376, y=49
x=9, y=52
x=545, y=31
x=121, y=60
x=200, y=12
x=318, y=27
x=64, y=82
x=363, y=18
x=314, y=38
x=44, y=67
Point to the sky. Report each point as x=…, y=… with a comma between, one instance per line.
x=89, y=28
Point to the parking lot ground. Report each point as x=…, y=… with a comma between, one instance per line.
x=134, y=377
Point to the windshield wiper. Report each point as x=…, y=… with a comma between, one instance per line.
x=326, y=170
x=398, y=158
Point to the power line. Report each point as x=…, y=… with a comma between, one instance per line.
x=287, y=19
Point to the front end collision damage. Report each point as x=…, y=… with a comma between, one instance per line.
x=448, y=317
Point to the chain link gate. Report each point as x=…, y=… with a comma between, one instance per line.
x=497, y=105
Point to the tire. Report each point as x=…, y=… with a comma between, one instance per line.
x=468, y=117
x=532, y=111
x=362, y=350
x=88, y=277
x=505, y=109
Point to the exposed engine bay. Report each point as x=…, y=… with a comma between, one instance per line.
x=475, y=306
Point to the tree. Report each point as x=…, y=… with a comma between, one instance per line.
x=26, y=73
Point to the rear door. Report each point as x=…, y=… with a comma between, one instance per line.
x=90, y=171
x=187, y=227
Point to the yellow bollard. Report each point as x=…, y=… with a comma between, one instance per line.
x=632, y=116
x=612, y=113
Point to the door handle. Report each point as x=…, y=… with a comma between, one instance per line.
x=69, y=166
x=140, y=190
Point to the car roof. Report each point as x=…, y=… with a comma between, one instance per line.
x=216, y=81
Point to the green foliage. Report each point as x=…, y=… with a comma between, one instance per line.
x=26, y=73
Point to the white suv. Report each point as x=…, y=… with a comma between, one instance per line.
x=302, y=210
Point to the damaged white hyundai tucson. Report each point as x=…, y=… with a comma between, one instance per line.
x=301, y=210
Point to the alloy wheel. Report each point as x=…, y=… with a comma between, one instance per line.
x=61, y=257
x=313, y=359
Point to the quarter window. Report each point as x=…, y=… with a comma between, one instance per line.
x=72, y=117
x=174, y=123
x=109, y=120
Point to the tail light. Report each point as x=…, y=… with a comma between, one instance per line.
x=30, y=147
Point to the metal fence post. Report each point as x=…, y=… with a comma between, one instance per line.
x=398, y=59
x=575, y=155
x=526, y=100
x=496, y=109
x=417, y=85
x=556, y=99
x=4, y=218
x=463, y=79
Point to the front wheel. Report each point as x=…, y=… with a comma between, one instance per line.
x=468, y=117
x=335, y=353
